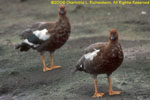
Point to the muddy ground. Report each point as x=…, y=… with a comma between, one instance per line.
x=21, y=75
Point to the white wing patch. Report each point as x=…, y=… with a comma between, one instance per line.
x=81, y=66
x=41, y=34
x=91, y=55
x=143, y=12
x=29, y=43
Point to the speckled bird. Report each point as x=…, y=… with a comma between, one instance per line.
x=47, y=36
x=102, y=58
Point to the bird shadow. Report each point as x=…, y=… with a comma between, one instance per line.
x=88, y=89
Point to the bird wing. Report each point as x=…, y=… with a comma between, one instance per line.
x=38, y=33
x=42, y=25
x=87, y=59
x=37, y=26
x=94, y=46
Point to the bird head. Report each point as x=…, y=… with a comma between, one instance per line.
x=113, y=35
x=61, y=10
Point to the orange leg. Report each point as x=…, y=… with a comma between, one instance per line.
x=52, y=63
x=44, y=65
x=96, y=94
x=110, y=91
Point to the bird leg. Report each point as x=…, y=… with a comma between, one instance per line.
x=96, y=94
x=52, y=63
x=44, y=65
x=110, y=91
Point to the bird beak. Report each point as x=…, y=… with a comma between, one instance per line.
x=112, y=37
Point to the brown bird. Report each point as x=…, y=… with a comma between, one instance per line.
x=102, y=58
x=47, y=36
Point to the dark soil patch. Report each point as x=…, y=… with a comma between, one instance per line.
x=84, y=42
x=136, y=22
x=78, y=85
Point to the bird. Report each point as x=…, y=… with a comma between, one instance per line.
x=102, y=58
x=47, y=37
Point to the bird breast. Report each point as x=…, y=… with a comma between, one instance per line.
x=114, y=52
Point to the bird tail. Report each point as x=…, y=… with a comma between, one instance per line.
x=77, y=68
x=23, y=47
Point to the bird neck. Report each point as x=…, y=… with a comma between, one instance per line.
x=111, y=43
x=61, y=18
